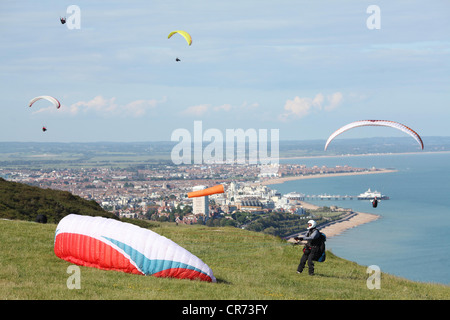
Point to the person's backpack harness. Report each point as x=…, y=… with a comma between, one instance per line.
x=321, y=255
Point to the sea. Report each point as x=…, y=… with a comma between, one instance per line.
x=411, y=239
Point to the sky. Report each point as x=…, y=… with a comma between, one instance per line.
x=305, y=68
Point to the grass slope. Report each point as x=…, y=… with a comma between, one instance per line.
x=24, y=202
x=247, y=265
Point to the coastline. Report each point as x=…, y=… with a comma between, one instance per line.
x=325, y=175
x=359, y=155
x=359, y=218
x=338, y=227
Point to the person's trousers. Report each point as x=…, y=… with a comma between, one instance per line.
x=307, y=256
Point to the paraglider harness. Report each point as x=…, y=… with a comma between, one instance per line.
x=375, y=202
x=319, y=254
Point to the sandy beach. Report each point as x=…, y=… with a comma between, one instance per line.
x=339, y=226
x=358, y=219
x=316, y=176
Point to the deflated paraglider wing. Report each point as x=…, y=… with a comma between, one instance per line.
x=109, y=244
x=186, y=35
x=385, y=123
x=48, y=98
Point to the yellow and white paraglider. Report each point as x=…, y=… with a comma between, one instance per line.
x=186, y=35
x=385, y=123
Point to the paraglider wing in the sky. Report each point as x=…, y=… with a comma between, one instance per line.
x=109, y=244
x=186, y=35
x=385, y=123
x=48, y=98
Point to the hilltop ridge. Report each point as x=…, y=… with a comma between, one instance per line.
x=23, y=202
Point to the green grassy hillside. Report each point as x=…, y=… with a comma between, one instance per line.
x=23, y=202
x=247, y=266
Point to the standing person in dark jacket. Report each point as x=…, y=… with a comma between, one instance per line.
x=311, y=248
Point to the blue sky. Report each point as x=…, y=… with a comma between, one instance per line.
x=303, y=67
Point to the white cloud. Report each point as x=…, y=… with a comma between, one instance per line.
x=201, y=109
x=334, y=101
x=98, y=104
x=250, y=106
x=224, y=107
x=196, y=110
x=244, y=106
x=301, y=107
x=109, y=107
x=139, y=107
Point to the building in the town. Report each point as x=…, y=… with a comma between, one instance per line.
x=200, y=205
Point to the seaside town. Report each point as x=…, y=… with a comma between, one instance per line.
x=159, y=192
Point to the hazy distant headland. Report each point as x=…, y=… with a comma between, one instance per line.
x=126, y=153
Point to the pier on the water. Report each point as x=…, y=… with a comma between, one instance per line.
x=329, y=197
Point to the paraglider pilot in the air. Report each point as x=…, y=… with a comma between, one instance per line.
x=63, y=20
x=375, y=202
x=311, y=248
x=44, y=129
x=177, y=59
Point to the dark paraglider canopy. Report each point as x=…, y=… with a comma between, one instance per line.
x=41, y=218
x=63, y=20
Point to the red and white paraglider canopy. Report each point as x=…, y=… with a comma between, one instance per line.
x=384, y=123
x=48, y=98
x=109, y=244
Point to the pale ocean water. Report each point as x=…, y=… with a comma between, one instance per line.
x=412, y=237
